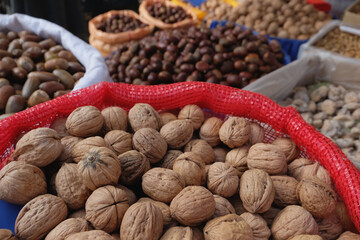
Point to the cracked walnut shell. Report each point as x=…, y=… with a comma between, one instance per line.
x=191, y=168
x=115, y=118
x=133, y=164
x=177, y=133
x=258, y=226
x=118, y=141
x=235, y=132
x=84, y=121
x=222, y=179
x=192, y=113
x=143, y=115
x=68, y=227
x=209, y=131
x=202, y=148
x=81, y=148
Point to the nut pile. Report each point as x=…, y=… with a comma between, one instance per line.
x=332, y=110
x=167, y=14
x=205, y=178
x=33, y=70
x=226, y=55
x=120, y=23
x=340, y=42
x=216, y=10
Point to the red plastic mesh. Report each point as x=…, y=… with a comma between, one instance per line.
x=216, y=99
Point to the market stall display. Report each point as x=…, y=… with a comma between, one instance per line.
x=251, y=114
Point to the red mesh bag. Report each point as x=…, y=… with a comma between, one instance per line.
x=216, y=100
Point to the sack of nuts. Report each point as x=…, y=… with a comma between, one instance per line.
x=167, y=15
x=109, y=30
x=161, y=162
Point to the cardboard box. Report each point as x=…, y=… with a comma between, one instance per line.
x=352, y=18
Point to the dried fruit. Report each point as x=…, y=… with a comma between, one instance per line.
x=133, y=164
x=209, y=131
x=177, y=133
x=222, y=179
x=142, y=115
x=192, y=113
x=84, y=121
x=191, y=168
x=235, y=132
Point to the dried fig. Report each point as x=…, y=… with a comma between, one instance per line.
x=193, y=113
x=142, y=115
x=84, y=121
x=235, y=132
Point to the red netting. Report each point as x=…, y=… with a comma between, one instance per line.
x=217, y=99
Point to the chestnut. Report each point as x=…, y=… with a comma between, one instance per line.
x=188, y=68
x=226, y=67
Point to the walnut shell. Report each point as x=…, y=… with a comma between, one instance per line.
x=230, y=226
x=129, y=193
x=193, y=205
x=267, y=157
x=142, y=221
x=306, y=237
x=115, y=118
x=295, y=168
x=288, y=147
x=220, y=154
x=169, y=158
x=105, y=208
x=178, y=233
x=270, y=215
x=291, y=221
x=209, y=131
x=349, y=236
x=59, y=126
x=70, y=187
x=162, y=184
x=191, y=168
x=237, y=204
x=166, y=117
x=165, y=210
x=316, y=197
x=133, y=165
x=68, y=227
x=68, y=144
x=237, y=158
x=257, y=191
x=330, y=227
x=235, y=132
x=142, y=115
x=222, y=179
x=193, y=113
x=39, y=216
x=258, y=226
x=202, y=148
x=344, y=217
x=285, y=190
x=222, y=207
x=20, y=182
x=39, y=147
x=177, y=133
x=6, y=234
x=81, y=148
x=99, y=167
x=257, y=134
x=314, y=170
x=118, y=141
x=78, y=214
x=90, y=235
x=84, y=121
x=150, y=142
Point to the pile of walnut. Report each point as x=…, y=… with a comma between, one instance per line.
x=185, y=177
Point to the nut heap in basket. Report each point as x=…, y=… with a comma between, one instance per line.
x=167, y=14
x=160, y=175
x=120, y=23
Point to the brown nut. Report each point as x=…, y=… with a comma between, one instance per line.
x=150, y=142
x=56, y=63
x=257, y=134
x=33, y=52
x=5, y=93
x=235, y=132
x=81, y=149
x=59, y=126
x=20, y=182
x=296, y=167
x=133, y=164
x=237, y=158
x=166, y=117
x=164, y=208
x=78, y=75
x=349, y=236
x=7, y=234
x=162, y=184
x=30, y=86
x=142, y=115
x=285, y=190
x=75, y=67
x=65, y=78
x=68, y=143
x=60, y=93
x=201, y=148
x=105, y=208
x=51, y=87
x=56, y=49
x=194, y=114
x=47, y=43
x=78, y=214
x=67, y=55
x=314, y=170
x=220, y=154
x=169, y=158
x=209, y=131
x=344, y=217
x=26, y=63
x=270, y=215
x=330, y=227
x=288, y=147
x=258, y=225
x=118, y=141
x=68, y=227
x=93, y=234
x=177, y=133
x=84, y=121
x=39, y=216
x=182, y=233
x=115, y=118
x=15, y=103
x=306, y=237
x=222, y=206
x=37, y=97
x=43, y=76
x=222, y=179
x=18, y=74
x=191, y=168
x=39, y=147
x=4, y=82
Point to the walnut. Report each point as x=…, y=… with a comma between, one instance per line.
x=119, y=141
x=59, y=126
x=193, y=113
x=257, y=134
x=330, y=227
x=70, y=187
x=314, y=170
x=222, y=179
x=169, y=158
x=166, y=117
x=257, y=191
x=84, y=121
x=78, y=214
x=237, y=204
x=235, y=132
x=68, y=227
x=129, y=193
x=202, y=148
x=99, y=167
x=220, y=154
x=270, y=215
x=316, y=197
x=344, y=217
x=209, y=131
x=295, y=168
x=258, y=226
x=193, y=205
x=150, y=142
x=133, y=165
x=222, y=207
x=285, y=190
x=182, y=233
x=105, y=208
x=191, y=168
x=115, y=118
x=226, y=226
x=93, y=234
x=349, y=236
x=142, y=115
x=237, y=158
x=39, y=216
x=291, y=221
x=81, y=148
x=162, y=184
x=39, y=147
x=6, y=234
x=68, y=144
x=288, y=147
x=20, y=182
x=116, y=235
x=306, y=237
x=267, y=157
x=142, y=221
x=177, y=133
